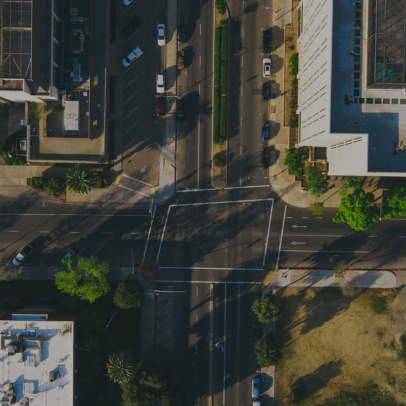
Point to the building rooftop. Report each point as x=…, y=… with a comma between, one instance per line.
x=37, y=361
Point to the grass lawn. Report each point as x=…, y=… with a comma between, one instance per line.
x=122, y=334
x=337, y=341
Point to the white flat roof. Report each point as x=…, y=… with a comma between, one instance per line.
x=29, y=372
x=71, y=115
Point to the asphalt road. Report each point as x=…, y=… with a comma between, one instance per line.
x=195, y=86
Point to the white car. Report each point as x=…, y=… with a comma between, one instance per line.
x=68, y=256
x=161, y=34
x=160, y=83
x=22, y=254
x=132, y=57
x=266, y=64
x=127, y=2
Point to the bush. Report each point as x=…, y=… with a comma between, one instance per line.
x=219, y=161
x=38, y=184
x=268, y=307
x=223, y=77
x=223, y=23
x=129, y=294
x=217, y=69
x=221, y=7
x=8, y=149
x=216, y=116
x=224, y=44
x=223, y=117
x=294, y=65
x=317, y=209
x=316, y=182
x=267, y=351
x=217, y=39
x=294, y=123
x=294, y=160
x=291, y=48
x=55, y=186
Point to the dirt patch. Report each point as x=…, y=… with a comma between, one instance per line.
x=219, y=173
x=338, y=342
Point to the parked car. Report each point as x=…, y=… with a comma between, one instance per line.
x=68, y=256
x=266, y=155
x=160, y=106
x=266, y=65
x=181, y=35
x=180, y=110
x=256, y=403
x=267, y=39
x=161, y=35
x=22, y=253
x=160, y=83
x=265, y=132
x=266, y=91
x=256, y=331
x=127, y=2
x=132, y=57
x=131, y=27
x=181, y=60
x=256, y=386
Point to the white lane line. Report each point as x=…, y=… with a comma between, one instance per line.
x=74, y=232
x=209, y=282
x=350, y=252
x=46, y=254
x=242, y=34
x=319, y=218
x=226, y=188
x=241, y=121
x=267, y=236
x=163, y=233
x=238, y=325
x=199, y=90
x=130, y=83
x=73, y=214
x=373, y=236
x=317, y=235
x=132, y=111
x=136, y=233
x=200, y=29
x=280, y=242
x=288, y=217
x=196, y=319
x=225, y=202
x=44, y=232
x=80, y=251
x=304, y=217
x=211, y=269
x=197, y=290
x=127, y=132
x=13, y=231
x=242, y=61
x=132, y=190
x=130, y=98
x=200, y=59
x=137, y=180
x=224, y=344
x=402, y=236
x=198, y=150
x=149, y=233
x=241, y=90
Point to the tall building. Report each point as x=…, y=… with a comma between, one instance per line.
x=352, y=80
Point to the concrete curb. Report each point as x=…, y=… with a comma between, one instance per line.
x=56, y=198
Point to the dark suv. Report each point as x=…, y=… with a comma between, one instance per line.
x=131, y=27
x=266, y=92
x=181, y=34
x=267, y=39
x=180, y=110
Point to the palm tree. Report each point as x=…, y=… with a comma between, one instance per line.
x=80, y=180
x=120, y=367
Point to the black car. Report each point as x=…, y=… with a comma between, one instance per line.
x=131, y=27
x=180, y=110
x=267, y=39
x=265, y=158
x=181, y=34
x=266, y=92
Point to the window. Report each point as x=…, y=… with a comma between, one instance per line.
x=356, y=67
x=357, y=41
x=358, y=14
x=378, y=101
x=370, y=100
x=355, y=100
x=395, y=101
x=356, y=83
x=361, y=100
x=356, y=75
x=402, y=101
x=386, y=101
x=356, y=92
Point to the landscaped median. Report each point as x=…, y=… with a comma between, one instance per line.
x=220, y=102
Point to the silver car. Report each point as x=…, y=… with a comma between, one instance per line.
x=68, y=256
x=22, y=253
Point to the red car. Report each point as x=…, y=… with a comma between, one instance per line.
x=160, y=106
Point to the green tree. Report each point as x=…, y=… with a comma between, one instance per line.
x=2, y=308
x=316, y=182
x=129, y=294
x=120, y=367
x=357, y=209
x=295, y=160
x=80, y=180
x=267, y=350
x=268, y=307
x=91, y=365
x=394, y=202
x=85, y=277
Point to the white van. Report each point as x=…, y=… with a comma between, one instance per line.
x=132, y=57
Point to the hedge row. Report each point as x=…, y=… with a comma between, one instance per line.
x=224, y=44
x=223, y=77
x=220, y=6
x=217, y=40
x=216, y=116
x=217, y=67
x=223, y=117
x=53, y=186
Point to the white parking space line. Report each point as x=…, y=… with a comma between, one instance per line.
x=316, y=235
x=224, y=344
x=149, y=233
x=242, y=33
x=343, y=252
x=137, y=180
x=74, y=232
x=280, y=242
x=125, y=149
x=267, y=236
x=214, y=282
x=13, y=231
x=198, y=150
x=132, y=190
x=130, y=83
x=225, y=202
x=132, y=111
x=242, y=61
x=46, y=254
x=74, y=214
x=128, y=7
x=130, y=36
x=81, y=251
x=44, y=232
x=200, y=29
x=200, y=59
x=130, y=98
x=197, y=290
x=192, y=268
x=196, y=319
x=226, y=188
x=128, y=69
x=98, y=249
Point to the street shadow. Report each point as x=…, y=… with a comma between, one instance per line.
x=277, y=63
x=251, y=8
